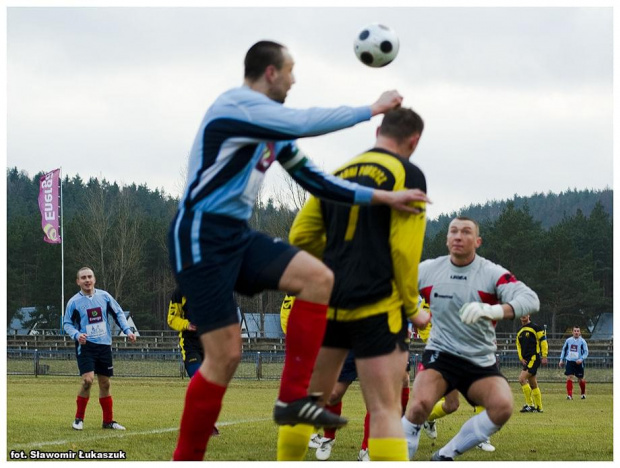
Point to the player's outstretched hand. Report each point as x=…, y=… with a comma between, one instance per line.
x=471, y=312
x=131, y=337
x=401, y=200
x=387, y=101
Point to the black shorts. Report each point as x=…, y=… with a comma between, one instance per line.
x=572, y=368
x=349, y=372
x=458, y=373
x=532, y=365
x=367, y=337
x=95, y=358
x=227, y=256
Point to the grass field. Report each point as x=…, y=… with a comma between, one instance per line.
x=40, y=412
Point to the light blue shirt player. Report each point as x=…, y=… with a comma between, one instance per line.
x=574, y=349
x=241, y=135
x=89, y=314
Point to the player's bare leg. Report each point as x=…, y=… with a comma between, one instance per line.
x=82, y=400
x=381, y=381
x=293, y=440
x=311, y=282
x=428, y=387
x=205, y=392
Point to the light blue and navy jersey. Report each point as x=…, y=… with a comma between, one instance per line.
x=241, y=135
x=574, y=350
x=90, y=314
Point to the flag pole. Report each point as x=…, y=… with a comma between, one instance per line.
x=62, y=254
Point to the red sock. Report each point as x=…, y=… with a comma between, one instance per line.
x=582, y=386
x=81, y=407
x=404, y=398
x=336, y=409
x=304, y=336
x=106, y=406
x=366, y=431
x=203, y=402
x=569, y=387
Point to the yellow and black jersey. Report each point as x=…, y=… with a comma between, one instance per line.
x=532, y=341
x=189, y=341
x=373, y=250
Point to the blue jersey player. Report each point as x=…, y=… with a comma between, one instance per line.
x=574, y=353
x=86, y=321
x=214, y=252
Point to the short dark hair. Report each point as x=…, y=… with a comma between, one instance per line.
x=466, y=218
x=260, y=56
x=400, y=124
x=85, y=268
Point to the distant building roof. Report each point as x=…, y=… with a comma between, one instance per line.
x=272, y=326
x=17, y=325
x=604, y=328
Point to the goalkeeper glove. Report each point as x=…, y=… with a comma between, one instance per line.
x=471, y=312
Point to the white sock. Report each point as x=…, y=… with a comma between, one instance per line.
x=475, y=430
x=412, y=434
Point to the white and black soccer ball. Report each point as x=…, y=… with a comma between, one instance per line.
x=376, y=45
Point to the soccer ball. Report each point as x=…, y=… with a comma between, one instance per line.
x=376, y=45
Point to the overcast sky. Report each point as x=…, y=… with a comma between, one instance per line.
x=515, y=100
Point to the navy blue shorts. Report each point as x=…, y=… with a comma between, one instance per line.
x=95, y=358
x=572, y=368
x=228, y=256
x=349, y=372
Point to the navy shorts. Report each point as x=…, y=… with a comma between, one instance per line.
x=95, y=358
x=458, y=373
x=228, y=256
x=349, y=372
x=367, y=337
x=572, y=368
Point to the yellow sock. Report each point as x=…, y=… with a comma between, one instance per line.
x=388, y=449
x=527, y=392
x=478, y=409
x=537, y=397
x=293, y=442
x=437, y=411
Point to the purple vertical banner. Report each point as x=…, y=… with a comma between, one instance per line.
x=49, y=205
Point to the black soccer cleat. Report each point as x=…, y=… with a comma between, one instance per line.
x=437, y=457
x=306, y=411
x=527, y=409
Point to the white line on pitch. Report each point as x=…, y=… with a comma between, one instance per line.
x=123, y=434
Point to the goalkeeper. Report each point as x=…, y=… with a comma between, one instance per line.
x=466, y=294
x=374, y=253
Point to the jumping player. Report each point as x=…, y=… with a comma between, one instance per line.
x=213, y=251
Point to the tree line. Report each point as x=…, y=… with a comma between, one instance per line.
x=121, y=232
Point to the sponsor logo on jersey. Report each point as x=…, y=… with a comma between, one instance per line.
x=267, y=157
x=458, y=277
x=94, y=315
x=443, y=296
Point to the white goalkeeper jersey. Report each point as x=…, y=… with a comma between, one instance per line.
x=446, y=287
